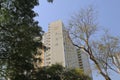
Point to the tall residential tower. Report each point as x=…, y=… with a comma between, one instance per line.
x=61, y=49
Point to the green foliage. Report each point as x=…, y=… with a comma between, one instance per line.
x=50, y=1
x=57, y=72
x=17, y=30
x=17, y=45
x=76, y=74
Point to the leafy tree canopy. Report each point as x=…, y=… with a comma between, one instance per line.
x=57, y=72
x=17, y=31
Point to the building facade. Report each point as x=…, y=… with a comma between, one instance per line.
x=61, y=49
x=39, y=56
x=84, y=62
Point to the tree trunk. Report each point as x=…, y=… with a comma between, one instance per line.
x=89, y=51
x=100, y=70
x=107, y=77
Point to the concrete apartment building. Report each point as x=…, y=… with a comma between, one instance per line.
x=61, y=50
x=39, y=62
x=84, y=62
x=60, y=47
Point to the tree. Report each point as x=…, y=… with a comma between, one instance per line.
x=50, y=1
x=58, y=72
x=75, y=74
x=82, y=28
x=105, y=50
x=17, y=31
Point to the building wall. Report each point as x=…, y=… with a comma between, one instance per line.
x=71, y=57
x=86, y=64
x=39, y=62
x=47, y=54
x=61, y=49
x=54, y=40
x=56, y=43
x=39, y=55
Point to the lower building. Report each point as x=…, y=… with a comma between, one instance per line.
x=84, y=62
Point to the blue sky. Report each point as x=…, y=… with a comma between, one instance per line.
x=108, y=12
x=108, y=15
